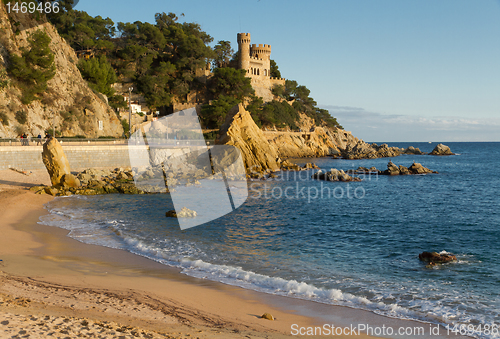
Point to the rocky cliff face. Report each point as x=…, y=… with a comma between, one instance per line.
x=69, y=102
x=266, y=150
x=240, y=131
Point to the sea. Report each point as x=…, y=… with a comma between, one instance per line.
x=350, y=244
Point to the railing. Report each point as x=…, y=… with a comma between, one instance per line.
x=105, y=142
x=64, y=141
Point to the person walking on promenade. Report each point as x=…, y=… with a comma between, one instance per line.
x=39, y=140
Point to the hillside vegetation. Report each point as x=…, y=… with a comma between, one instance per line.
x=166, y=61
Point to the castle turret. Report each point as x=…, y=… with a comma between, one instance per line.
x=244, y=50
x=260, y=51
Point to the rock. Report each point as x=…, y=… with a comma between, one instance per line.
x=362, y=150
x=37, y=189
x=392, y=169
x=183, y=213
x=436, y=258
x=403, y=170
x=413, y=150
x=417, y=168
x=334, y=175
x=240, y=131
x=267, y=316
x=51, y=191
x=289, y=166
x=441, y=149
x=310, y=165
x=69, y=180
x=55, y=160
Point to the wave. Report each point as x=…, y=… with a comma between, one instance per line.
x=182, y=255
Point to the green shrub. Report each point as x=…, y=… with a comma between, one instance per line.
x=4, y=119
x=21, y=117
x=125, y=126
x=34, y=68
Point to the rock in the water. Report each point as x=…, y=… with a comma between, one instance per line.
x=267, y=316
x=441, y=150
x=55, y=160
x=392, y=169
x=403, y=170
x=417, y=168
x=310, y=165
x=183, y=213
x=334, y=175
x=413, y=150
x=436, y=258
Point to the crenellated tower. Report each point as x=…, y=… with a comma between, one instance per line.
x=244, y=50
x=256, y=61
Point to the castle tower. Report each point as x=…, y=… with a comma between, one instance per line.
x=261, y=51
x=244, y=50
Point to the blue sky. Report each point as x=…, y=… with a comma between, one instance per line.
x=389, y=70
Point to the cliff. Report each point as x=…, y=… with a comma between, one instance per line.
x=240, y=130
x=68, y=101
x=266, y=150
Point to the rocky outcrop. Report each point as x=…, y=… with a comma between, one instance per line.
x=393, y=169
x=441, y=149
x=334, y=175
x=93, y=182
x=436, y=258
x=413, y=150
x=363, y=150
x=68, y=101
x=240, y=131
x=55, y=161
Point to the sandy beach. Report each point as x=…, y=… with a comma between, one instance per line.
x=54, y=286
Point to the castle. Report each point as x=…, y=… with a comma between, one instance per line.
x=256, y=59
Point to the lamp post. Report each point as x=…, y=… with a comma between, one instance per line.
x=130, y=89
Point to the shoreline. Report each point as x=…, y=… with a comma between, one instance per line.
x=96, y=283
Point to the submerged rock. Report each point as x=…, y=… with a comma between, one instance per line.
x=441, y=149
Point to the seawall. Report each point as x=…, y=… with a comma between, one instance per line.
x=79, y=157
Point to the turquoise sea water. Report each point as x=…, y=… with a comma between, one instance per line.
x=353, y=244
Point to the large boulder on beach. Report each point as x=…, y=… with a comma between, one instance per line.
x=441, y=149
x=55, y=160
x=437, y=258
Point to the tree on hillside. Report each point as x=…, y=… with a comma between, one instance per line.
x=99, y=73
x=231, y=82
x=223, y=54
x=275, y=72
x=34, y=67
